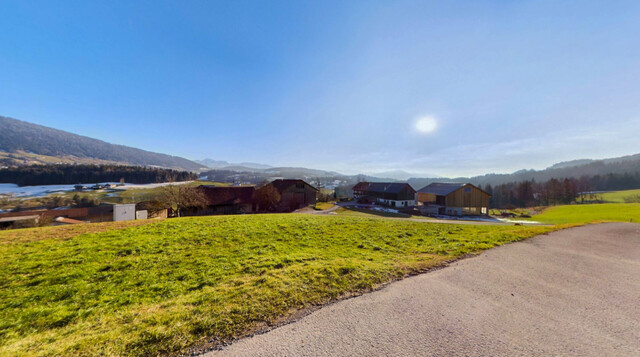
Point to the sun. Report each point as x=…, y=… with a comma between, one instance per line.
x=426, y=125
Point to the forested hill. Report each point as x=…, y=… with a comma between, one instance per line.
x=577, y=169
x=73, y=174
x=19, y=136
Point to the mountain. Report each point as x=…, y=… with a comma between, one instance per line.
x=226, y=165
x=292, y=172
x=214, y=164
x=572, y=169
x=24, y=142
x=399, y=175
x=572, y=163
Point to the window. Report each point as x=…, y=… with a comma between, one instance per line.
x=299, y=185
x=467, y=190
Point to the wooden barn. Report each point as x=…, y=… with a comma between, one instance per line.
x=456, y=199
x=224, y=200
x=294, y=194
x=394, y=194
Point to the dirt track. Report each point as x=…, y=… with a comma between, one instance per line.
x=575, y=292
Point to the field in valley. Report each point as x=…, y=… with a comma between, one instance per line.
x=162, y=287
x=587, y=213
x=129, y=195
x=625, y=196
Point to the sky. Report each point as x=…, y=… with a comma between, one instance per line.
x=447, y=88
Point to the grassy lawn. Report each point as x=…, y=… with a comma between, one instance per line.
x=619, y=196
x=162, y=287
x=616, y=212
x=323, y=205
x=65, y=232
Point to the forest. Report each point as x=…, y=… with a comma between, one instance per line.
x=530, y=193
x=73, y=174
x=16, y=135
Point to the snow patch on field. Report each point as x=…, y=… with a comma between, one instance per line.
x=44, y=190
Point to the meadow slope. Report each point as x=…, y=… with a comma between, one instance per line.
x=162, y=287
x=590, y=213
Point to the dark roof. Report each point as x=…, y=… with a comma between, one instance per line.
x=283, y=184
x=361, y=186
x=386, y=187
x=228, y=195
x=443, y=189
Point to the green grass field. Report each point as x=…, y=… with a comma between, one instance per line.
x=589, y=213
x=323, y=205
x=162, y=287
x=619, y=196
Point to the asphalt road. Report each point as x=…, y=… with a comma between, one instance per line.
x=572, y=293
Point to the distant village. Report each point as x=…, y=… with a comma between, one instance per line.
x=277, y=196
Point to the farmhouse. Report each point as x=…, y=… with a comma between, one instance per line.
x=294, y=194
x=394, y=194
x=457, y=199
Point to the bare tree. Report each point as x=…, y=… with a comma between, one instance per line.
x=267, y=197
x=179, y=197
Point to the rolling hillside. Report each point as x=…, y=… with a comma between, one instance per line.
x=573, y=169
x=22, y=142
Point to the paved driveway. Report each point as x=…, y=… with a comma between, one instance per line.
x=574, y=293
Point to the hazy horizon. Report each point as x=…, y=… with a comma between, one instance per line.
x=448, y=89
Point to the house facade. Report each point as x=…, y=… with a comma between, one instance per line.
x=393, y=194
x=455, y=199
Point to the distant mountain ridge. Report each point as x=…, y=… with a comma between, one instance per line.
x=629, y=164
x=398, y=175
x=18, y=136
x=226, y=165
x=568, y=169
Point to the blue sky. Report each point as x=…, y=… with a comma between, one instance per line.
x=333, y=85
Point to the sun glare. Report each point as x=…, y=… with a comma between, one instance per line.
x=426, y=125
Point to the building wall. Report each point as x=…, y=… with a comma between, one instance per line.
x=467, y=196
x=125, y=212
x=293, y=198
x=237, y=208
x=453, y=211
x=397, y=203
x=426, y=197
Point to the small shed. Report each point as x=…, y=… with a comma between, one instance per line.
x=124, y=212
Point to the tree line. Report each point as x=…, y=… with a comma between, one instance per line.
x=73, y=174
x=558, y=191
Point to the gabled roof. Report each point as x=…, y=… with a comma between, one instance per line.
x=441, y=189
x=283, y=184
x=228, y=195
x=383, y=187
